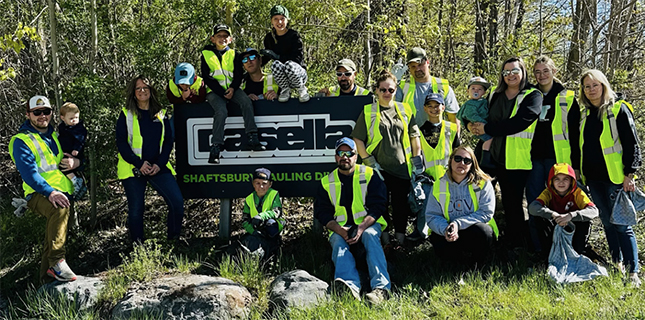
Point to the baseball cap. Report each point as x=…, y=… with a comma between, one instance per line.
x=416, y=54
x=262, y=174
x=185, y=74
x=345, y=141
x=347, y=64
x=39, y=102
x=434, y=97
x=221, y=27
x=480, y=81
x=250, y=51
x=279, y=10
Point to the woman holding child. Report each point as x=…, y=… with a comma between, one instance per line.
x=607, y=157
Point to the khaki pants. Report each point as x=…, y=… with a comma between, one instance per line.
x=55, y=231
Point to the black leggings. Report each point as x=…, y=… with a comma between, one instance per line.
x=398, y=190
x=473, y=245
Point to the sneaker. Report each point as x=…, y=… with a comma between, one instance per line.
x=303, y=95
x=213, y=157
x=254, y=142
x=285, y=94
x=377, y=296
x=80, y=189
x=634, y=279
x=340, y=286
x=61, y=272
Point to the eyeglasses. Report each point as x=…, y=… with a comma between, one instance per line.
x=144, y=89
x=383, y=90
x=505, y=73
x=346, y=74
x=249, y=58
x=343, y=153
x=465, y=160
x=46, y=112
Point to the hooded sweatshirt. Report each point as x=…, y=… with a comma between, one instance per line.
x=575, y=201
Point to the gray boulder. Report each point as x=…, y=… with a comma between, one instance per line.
x=186, y=297
x=84, y=290
x=297, y=289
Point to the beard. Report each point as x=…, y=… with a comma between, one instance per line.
x=345, y=85
x=344, y=165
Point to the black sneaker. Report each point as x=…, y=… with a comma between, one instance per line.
x=213, y=157
x=254, y=142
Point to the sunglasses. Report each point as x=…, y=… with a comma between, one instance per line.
x=46, y=112
x=384, y=90
x=346, y=74
x=144, y=89
x=465, y=160
x=505, y=73
x=249, y=58
x=343, y=153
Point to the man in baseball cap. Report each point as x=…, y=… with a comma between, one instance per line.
x=186, y=86
x=257, y=84
x=346, y=75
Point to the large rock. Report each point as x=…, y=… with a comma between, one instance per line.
x=187, y=297
x=297, y=289
x=84, y=290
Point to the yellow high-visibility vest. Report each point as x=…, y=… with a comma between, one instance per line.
x=221, y=71
x=439, y=85
x=374, y=137
x=266, y=205
x=560, y=127
x=335, y=91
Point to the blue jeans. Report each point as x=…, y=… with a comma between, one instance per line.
x=620, y=239
x=167, y=187
x=346, y=265
x=538, y=180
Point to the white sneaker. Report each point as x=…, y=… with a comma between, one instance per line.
x=285, y=94
x=303, y=95
x=61, y=271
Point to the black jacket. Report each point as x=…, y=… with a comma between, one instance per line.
x=287, y=46
x=238, y=71
x=72, y=138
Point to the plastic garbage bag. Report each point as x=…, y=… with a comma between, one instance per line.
x=420, y=191
x=625, y=207
x=20, y=205
x=565, y=264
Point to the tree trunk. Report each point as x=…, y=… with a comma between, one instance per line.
x=492, y=30
x=53, y=34
x=368, y=47
x=583, y=17
x=479, y=51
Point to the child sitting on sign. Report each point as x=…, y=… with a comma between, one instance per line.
x=262, y=212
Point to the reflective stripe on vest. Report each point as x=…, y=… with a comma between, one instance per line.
x=436, y=159
x=612, y=149
x=409, y=89
x=360, y=180
x=135, y=140
x=46, y=162
x=176, y=91
x=335, y=91
x=221, y=71
x=559, y=127
x=267, y=205
x=268, y=84
x=442, y=194
x=372, y=121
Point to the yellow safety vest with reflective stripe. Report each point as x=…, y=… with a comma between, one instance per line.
x=360, y=180
x=269, y=84
x=176, y=91
x=373, y=120
x=221, y=71
x=267, y=205
x=335, y=91
x=135, y=140
x=409, y=89
x=441, y=192
x=436, y=159
x=612, y=149
x=560, y=127
x=46, y=160
x=518, y=145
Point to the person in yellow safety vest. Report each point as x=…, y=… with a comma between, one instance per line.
x=606, y=158
x=350, y=202
x=186, y=86
x=555, y=130
x=387, y=139
x=262, y=216
x=222, y=71
x=257, y=84
x=439, y=137
x=460, y=211
x=144, y=139
x=421, y=83
x=346, y=74
x=514, y=106
x=37, y=154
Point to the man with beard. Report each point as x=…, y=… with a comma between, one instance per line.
x=256, y=84
x=421, y=83
x=346, y=75
x=350, y=202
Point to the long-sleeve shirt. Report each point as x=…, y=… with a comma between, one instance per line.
x=288, y=46
x=375, y=200
x=461, y=208
x=151, y=133
x=238, y=71
x=73, y=138
x=274, y=213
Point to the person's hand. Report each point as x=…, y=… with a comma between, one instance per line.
x=398, y=69
x=257, y=222
x=185, y=94
x=253, y=97
x=155, y=169
x=478, y=128
x=451, y=233
x=370, y=161
x=228, y=94
x=69, y=162
x=193, y=91
x=343, y=233
x=628, y=184
x=355, y=239
x=270, y=54
x=270, y=95
x=58, y=199
x=562, y=219
x=325, y=91
x=470, y=127
x=74, y=153
x=146, y=168
x=417, y=163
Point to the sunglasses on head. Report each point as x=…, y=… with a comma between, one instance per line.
x=46, y=112
x=383, y=90
x=248, y=58
x=465, y=160
x=505, y=73
x=346, y=74
x=343, y=153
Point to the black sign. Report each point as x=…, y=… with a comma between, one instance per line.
x=299, y=138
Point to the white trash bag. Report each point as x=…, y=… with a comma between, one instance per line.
x=565, y=264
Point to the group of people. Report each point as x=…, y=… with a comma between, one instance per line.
x=535, y=141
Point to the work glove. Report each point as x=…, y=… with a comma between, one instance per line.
x=257, y=222
x=270, y=53
x=20, y=205
x=399, y=69
x=371, y=162
x=417, y=163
